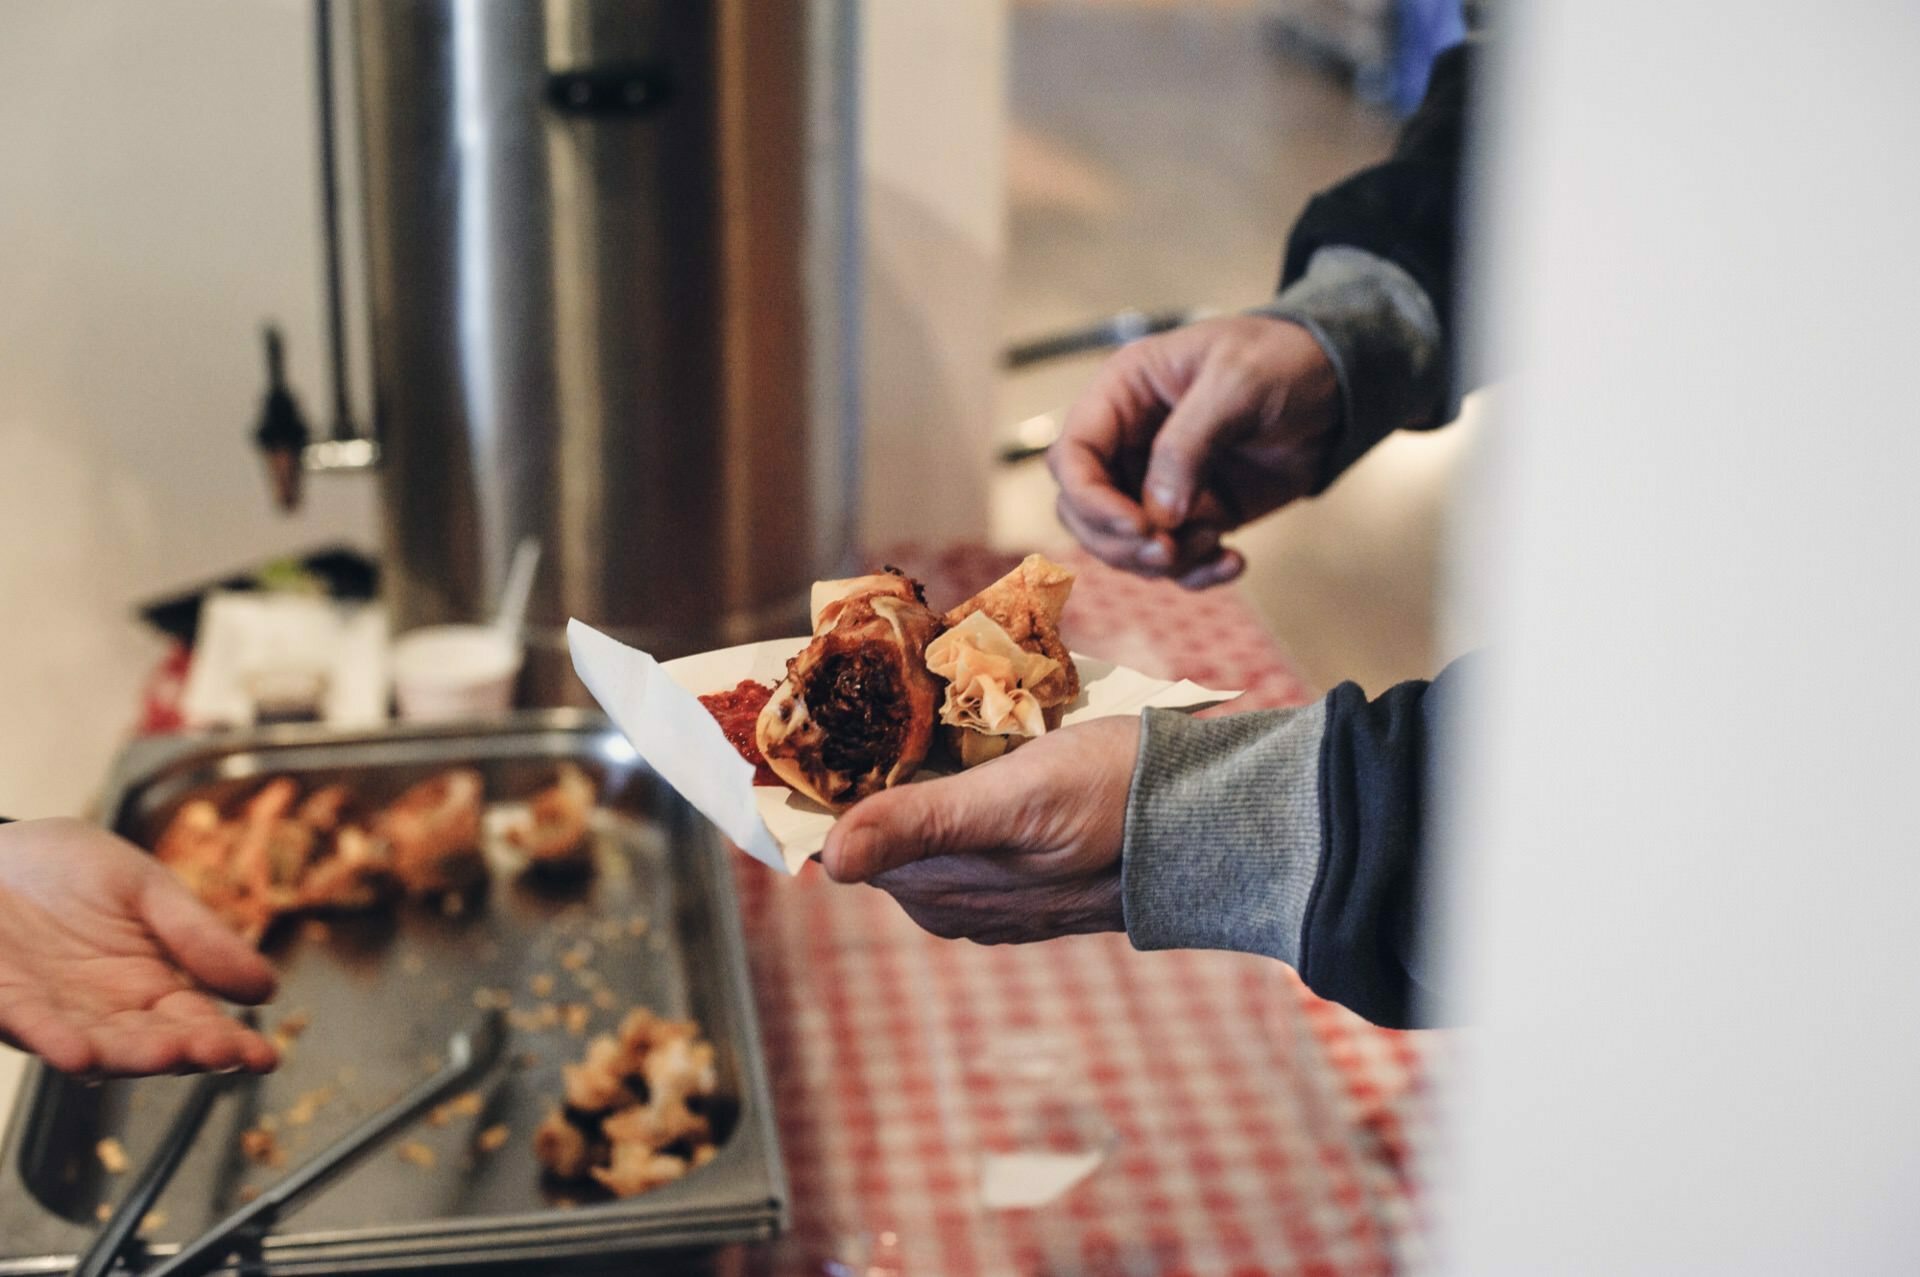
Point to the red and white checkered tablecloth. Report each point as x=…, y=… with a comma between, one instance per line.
x=1246, y=1125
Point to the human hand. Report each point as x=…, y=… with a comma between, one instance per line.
x=1192, y=433
x=104, y=957
x=1026, y=847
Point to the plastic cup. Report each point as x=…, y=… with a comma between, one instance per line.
x=454, y=671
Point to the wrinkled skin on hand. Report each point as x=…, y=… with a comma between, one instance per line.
x=1184, y=436
x=107, y=962
x=1023, y=848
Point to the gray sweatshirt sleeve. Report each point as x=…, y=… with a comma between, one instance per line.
x=1222, y=840
x=1379, y=330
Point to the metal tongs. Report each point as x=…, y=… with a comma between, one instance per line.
x=470, y=1053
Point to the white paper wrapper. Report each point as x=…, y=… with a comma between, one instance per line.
x=655, y=705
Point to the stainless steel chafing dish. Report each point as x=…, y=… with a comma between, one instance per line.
x=382, y=993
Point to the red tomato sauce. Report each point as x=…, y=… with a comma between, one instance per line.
x=736, y=712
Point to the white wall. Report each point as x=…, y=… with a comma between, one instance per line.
x=1686, y=920
x=157, y=201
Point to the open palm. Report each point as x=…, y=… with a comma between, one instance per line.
x=107, y=961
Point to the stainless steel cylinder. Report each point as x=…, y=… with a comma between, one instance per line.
x=612, y=283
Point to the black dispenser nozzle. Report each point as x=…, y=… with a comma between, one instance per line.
x=282, y=435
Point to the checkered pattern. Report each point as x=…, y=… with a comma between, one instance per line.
x=1248, y=1126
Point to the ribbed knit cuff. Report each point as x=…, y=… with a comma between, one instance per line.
x=1379, y=330
x=1222, y=841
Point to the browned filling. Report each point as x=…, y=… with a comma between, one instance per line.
x=857, y=701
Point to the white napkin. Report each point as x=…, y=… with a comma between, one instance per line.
x=655, y=705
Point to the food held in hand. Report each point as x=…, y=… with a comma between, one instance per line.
x=855, y=713
x=738, y=713
x=557, y=831
x=1008, y=674
x=433, y=831
x=638, y=1108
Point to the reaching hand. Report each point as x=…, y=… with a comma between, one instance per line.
x=104, y=956
x=1026, y=847
x=1187, y=435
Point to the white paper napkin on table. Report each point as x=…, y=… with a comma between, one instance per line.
x=655, y=705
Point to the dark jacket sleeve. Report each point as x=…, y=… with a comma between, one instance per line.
x=1363, y=940
x=1406, y=210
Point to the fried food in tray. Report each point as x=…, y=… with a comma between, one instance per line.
x=638, y=1110
x=282, y=853
x=276, y=856
x=556, y=832
x=433, y=833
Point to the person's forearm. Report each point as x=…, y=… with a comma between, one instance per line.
x=1298, y=834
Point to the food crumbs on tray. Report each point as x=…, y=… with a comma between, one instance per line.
x=494, y=1138
x=260, y=1146
x=103, y=1212
x=308, y=1104
x=113, y=1157
x=246, y=1193
x=523, y=1021
x=485, y=999
x=288, y=1031
x=576, y=1016
x=578, y=956
x=465, y=1104
x=637, y=925
x=542, y=985
x=153, y=1221
x=412, y=963
x=604, y=999
x=417, y=1154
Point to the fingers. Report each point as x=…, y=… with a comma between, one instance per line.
x=1225, y=566
x=1098, y=457
x=895, y=827
x=1213, y=413
x=185, y=1032
x=203, y=946
x=1088, y=487
x=136, y=1046
x=211, y=1039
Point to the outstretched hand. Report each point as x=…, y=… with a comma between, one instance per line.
x=107, y=961
x=1187, y=435
x=1026, y=847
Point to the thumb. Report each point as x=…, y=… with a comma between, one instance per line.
x=1184, y=448
x=200, y=944
x=948, y=816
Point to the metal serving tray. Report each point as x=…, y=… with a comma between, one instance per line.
x=384, y=991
